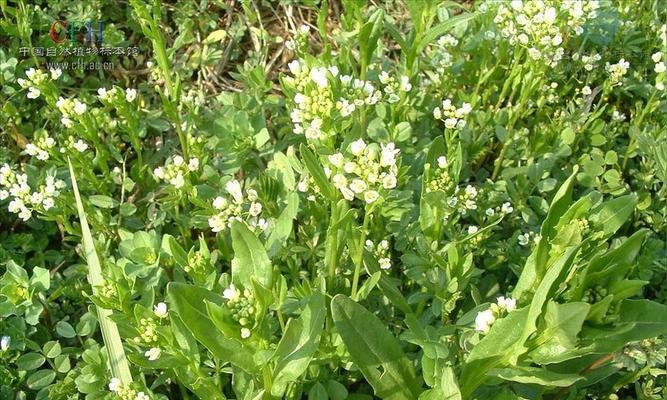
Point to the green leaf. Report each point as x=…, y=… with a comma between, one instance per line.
x=374, y=350
x=188, y=302
x=102, y=201
x=298, y=344
x=562, y=323
x=65, y=330
x=30, y=361
x=113, y=344
x=537, y=376
x=41, y=279
x=441, y=29
x=250, y=258
x=40, y=379
x=284, y=225
x=316, y=171
x=612, y=214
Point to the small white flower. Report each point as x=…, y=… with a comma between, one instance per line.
x=130, y=94
x=660, y=67
x=586, y=90
x=442, y=162
x=79, y=107
x=114, y=385
x=385, y=263
x=507, y=208
x=160, y=310
x=102, y=93
x=33, y=92
x=252, y=194
x=471, y=191
x=233, y=187
x=245, y=333
x=48, y=203
x=231, y=293
x=524, y=239
x=358, y=186
x=153, y=354
x=484, y=320
x=142, y=396
x=55, y=73
x=357, y=147
x=336, y=160
x=437, y=114
x=506, y=303
x=656, y=57
x=389, y=181
x=5, y=341
x=3, y=194
x=159, y=173
x=370, y=196
x=177, y=181
x=80, y=146
x=66, y=122
x=255, y=209
x=406, y=86
x=216, y=223
x=220, y=203
x=178, y=161
x=319, y=76
x=490, y=212
x=339, y=181
x=388, y=155
x=347, y=194
x=294, y=67
x=472, y=229
x=193, y=164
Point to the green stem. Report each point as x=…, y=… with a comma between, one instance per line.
x=359, y=256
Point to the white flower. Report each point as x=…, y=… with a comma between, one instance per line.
x=231, y=293
x=79, y=107
x=80, y=146
x=472, y=229
x=294, y=67
x=660, y=67
x=66, y=122
x=437, y=114
x=336, y=160
x=142, y=396
x=524, y=239
x=102, y=93
x=153, y=354
x=371, y=196
x=586, y=90
x=160, y=310
x=114, y=385
x=47, y=203
x=159, y=173
x=245, y=333
x=442, y=162
x=656, y=57
x=333, y=70
x=233, y=187
x=490, y=212
x=450, y=123
x=506, y=303
x=55, y=73
x=339, y=181
x=255, y=209
x=178, y=180
x=33, y=92
x=302, y=186
x=193, y=164
x=389, y=181
x=178, y=161
x=3, y=194
x=319, y=76
x=406, y=86
x=130, y=94
x=388, y=156
x=484, y=320
x=347, y=193
x=357, y=147
x=385, y=263
x=507, y=208
x=471, y=191
x=219, y=203
x=216, y=223
x=5, y=341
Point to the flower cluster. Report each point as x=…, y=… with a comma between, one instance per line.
x=70, y=108
x=618, y=70
x=453, y=117
x=371, y=170
x=589, y=61
x=147, y=332
x=40, y=147
x=124, y=392
x=314, y=100
x=440, y=54
x=230, y=209
x=439, y=178
x=355, y=92
x=76, y=144
x=541, y=25
x=393, y=87
x=175, y=170
x=36, y=79
x=300, y=40
x=486, y=318
x=463, y=200
x=24, y=200
x=381, y=252
x=660, y=69
x=242, y=307
x=307, y=185
x=112, y=95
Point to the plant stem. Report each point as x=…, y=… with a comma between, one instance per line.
x=359, y=256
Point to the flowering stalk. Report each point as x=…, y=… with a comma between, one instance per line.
x=358, y=259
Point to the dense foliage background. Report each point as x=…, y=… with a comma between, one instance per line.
x=333, y=200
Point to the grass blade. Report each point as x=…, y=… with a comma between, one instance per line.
x=117, y=360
